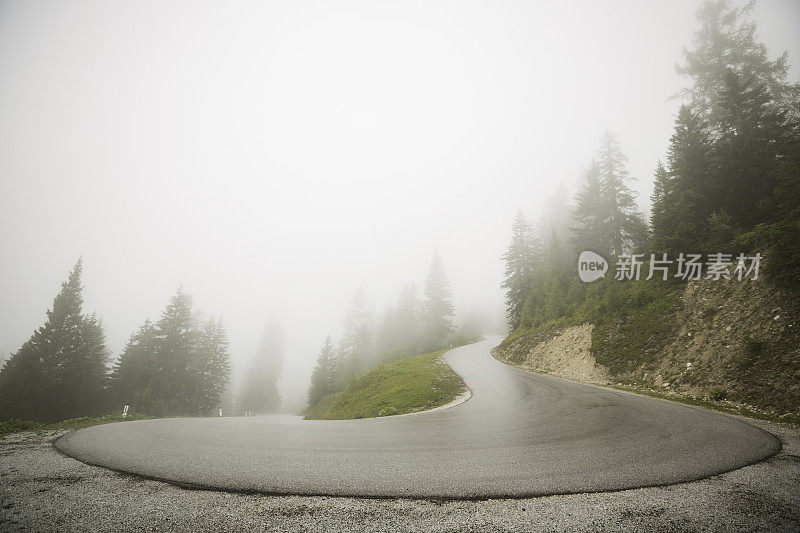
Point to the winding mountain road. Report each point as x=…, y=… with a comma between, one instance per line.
x=520, y=434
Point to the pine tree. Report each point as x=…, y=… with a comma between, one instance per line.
x=88, y=372
x=661, y=216
x=744, y=106
x=606, y=220
x=387, y=335
x=23, y=386
x=59, y=372
x=556, y=218
x=177, y=340
x=753, y=139
x=323, y=380
x=408, y=319
x=556, y=256
x=58, y=344
x=173, y=367
x=438, y=307
x=623, y=222
x=133, y=378
x=783, y=227
x=554, y=229
x=684, y=193
x=589, y=217
x=260, y=390
x=727, y=41
x=210, y=368
x=521, y=259
x=357, y=346
x=399, y=333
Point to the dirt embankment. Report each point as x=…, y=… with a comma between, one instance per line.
x=732, y=341
x=726, y=341
x=566, y=354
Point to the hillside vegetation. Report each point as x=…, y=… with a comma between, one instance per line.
x=16, y=426
x=700, y=299
x=727, y=342
x=404, y=386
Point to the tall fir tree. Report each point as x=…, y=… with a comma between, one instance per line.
x=438, y=309
x=210, y=368
x=780, y=233
x=728, y=41
x=177, y=340
x=623, y=223
x=387, y=335
x=662, y=217
x=260, y=390
x=554, y=229
x=521, y=259
x=588, y=215
x=323, y=379
x=738, y=128
x=555, y=218
x=173, y=367
x=357, y=346
x=60, y=371
x=605, y=215
x=132, y=380
x=408, y=319
x=88, y=373
x=683, y=192
x=399, y=333
x=752, y=139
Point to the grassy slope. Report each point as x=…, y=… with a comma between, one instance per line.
x=408, y=385
x=15, y=426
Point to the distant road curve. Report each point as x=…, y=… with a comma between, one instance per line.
x=520, y=434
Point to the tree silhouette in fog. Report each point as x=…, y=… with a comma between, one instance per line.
x=60, y=371
x=438, y=309
x=173, y=367
x=260, y=389
x=323, y=377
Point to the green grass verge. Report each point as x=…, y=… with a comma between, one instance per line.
x=16, y=426
x=405, y=386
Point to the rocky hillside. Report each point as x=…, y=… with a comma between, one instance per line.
x=730, y=342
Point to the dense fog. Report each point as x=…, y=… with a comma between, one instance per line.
x=274, y=158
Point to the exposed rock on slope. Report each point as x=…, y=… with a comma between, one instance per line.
x=565, y=354
x=725, y=341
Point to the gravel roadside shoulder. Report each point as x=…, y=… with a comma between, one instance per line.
x=43, y=490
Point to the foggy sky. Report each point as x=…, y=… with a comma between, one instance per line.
x=273, y=156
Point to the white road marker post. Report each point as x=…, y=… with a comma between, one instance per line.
x=220, y=411
x=124, y=411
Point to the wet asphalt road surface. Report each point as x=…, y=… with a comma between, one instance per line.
x=520, y=434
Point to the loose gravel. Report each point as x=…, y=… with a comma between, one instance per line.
x=43, y=490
